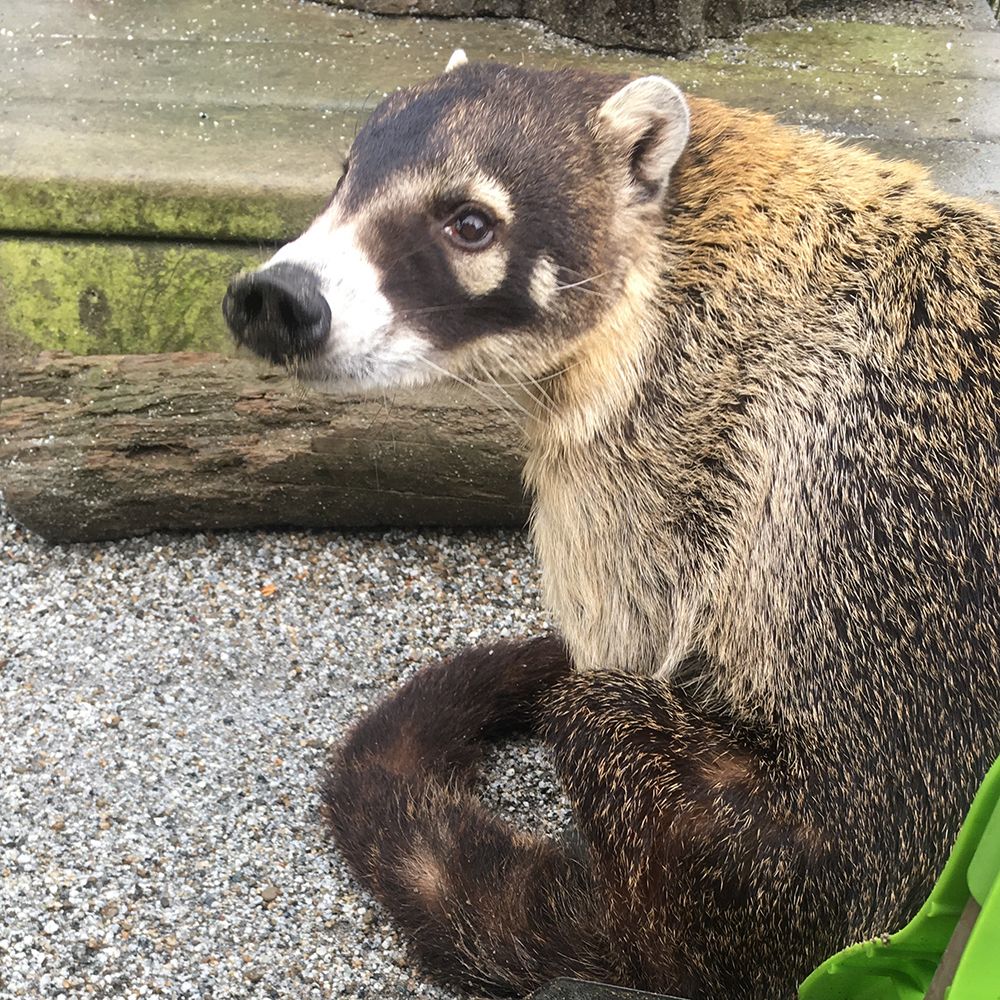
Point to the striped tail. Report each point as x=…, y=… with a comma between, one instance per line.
x=485, y=906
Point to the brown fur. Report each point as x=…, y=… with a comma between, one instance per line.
x=766, y=487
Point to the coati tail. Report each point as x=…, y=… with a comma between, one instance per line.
x=694, y=851
x=484, y=905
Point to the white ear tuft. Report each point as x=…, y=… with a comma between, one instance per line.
x=648, y=123
x=458, y=58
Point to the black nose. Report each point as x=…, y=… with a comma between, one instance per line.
x=279, y=312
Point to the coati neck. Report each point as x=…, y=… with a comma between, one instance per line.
x=673, y=421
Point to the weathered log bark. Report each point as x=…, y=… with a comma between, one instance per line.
x=107, y=447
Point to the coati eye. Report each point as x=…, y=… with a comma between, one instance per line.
x=470, y=228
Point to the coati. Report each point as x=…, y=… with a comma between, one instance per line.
x=762, y=376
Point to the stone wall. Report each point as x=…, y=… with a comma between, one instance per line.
x=660, y=25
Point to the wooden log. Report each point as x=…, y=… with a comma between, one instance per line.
x=112, y=446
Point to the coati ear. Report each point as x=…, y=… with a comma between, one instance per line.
x=458, y=58
x=647, y=123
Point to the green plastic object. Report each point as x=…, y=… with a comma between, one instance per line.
x=951, y=948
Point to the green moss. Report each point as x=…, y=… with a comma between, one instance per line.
x=116, y=208
x=885, y=50
x=116, y=297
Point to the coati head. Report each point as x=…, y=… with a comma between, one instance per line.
x=484, y=221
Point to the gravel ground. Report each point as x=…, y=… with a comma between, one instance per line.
x=168, y=704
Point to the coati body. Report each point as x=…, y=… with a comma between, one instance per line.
x=762, y=371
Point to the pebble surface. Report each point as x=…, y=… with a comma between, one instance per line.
x=168, y=702
x=167, y=707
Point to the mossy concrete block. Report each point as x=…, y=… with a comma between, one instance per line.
x=887, y=50
x=91, y=168
x=201, y=119
x=102, y=297
x=81, y=203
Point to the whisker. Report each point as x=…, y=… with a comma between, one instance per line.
x=582, y=281
x=560, y=371
x=469, y=385
x=543, y=399
x=423, y=310
x=511, y=397
x=536, y=380
x=409, y=253
x=581, y=285
x=360, y=111
x=589, y=291
x=539, y=398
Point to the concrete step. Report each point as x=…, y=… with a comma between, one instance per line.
x=224, y=125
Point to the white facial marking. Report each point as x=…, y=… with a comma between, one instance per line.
x=543, y=282
x=491, y=194
x=366, y=347
x=417, y=189
x=480, y=273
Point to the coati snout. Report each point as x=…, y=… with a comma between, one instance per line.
x=472, y=230
x=279, y=312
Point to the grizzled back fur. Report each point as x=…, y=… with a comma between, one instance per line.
x=763, y=372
